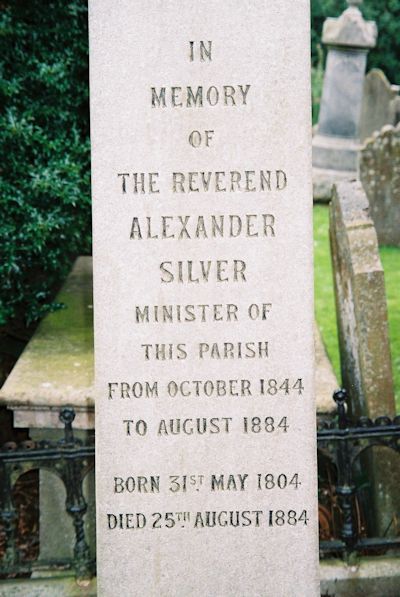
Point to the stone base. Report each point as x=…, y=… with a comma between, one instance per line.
x=372, y=577
x=324, y=179
x=336, y=153
x=53, y=586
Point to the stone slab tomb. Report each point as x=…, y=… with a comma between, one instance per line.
x=203, y=298
x=380, y=175
x=54, y=371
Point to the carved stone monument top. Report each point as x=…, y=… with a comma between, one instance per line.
x=350, y=29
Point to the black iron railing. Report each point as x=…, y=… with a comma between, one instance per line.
x=70, y=459
x=340, y=440
x=343, y=441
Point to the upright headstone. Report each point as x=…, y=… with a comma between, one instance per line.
x=360, y=304
x=364, y=340
x=337, y=141
x=380, y=175
x=205, y=415
x=380, y=103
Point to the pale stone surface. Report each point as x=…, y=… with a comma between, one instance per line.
x=360, y=304
x=380, y=103
x=56, y=368
x=350, y=29
x=373, y=576
x=341, y=107
x=136, y=46
x=363, y=339
x=55, y=586
x=380, y=176
x=369, y=576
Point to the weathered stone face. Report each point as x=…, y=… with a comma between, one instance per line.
x=360, y=303
x=350, y=29
x=380, y=103
x=204, y=344
x=380, y=176
x=341, y=101
x=363, y=337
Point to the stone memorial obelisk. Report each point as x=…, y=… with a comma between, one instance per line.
x=202, y=213
x=336, y=144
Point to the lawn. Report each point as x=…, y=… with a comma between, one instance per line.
x=325, y=302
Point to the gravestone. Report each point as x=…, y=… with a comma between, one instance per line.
x=360, y=303
x=381, y=103
x=380, y=175
x=203, y=299
x=363, y=336
x=337, y=140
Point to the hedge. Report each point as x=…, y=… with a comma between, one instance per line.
x=44, y=151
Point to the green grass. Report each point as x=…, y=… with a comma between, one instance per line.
x=323, y=284
x=325, y=302
x=390, y=257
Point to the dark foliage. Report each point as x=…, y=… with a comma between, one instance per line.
x=44, y=150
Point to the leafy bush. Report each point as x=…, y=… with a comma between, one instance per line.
x=386, y=13
x=44, y=150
